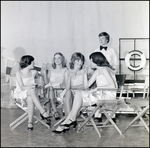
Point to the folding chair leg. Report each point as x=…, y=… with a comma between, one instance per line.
x=111, y=115
x=112, y=122
x=137, y=117
x=144, y=124
x=61, y=120
x=95, y=127
x=42, y=122
x=18, y=121
x=88, y=118
x=82, y=116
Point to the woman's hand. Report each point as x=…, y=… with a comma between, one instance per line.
x=44, y=68
x=85, y=70
x=33, y=85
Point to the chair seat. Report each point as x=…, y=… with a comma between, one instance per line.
x=137, y=102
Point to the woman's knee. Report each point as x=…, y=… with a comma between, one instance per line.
x=68, y=91
x=68, y=95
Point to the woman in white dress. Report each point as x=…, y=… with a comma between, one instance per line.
x=26, y=88
x=56, y=78
x=104, y=77
x=75, y=80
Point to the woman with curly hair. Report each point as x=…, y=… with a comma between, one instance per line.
x=56, y=78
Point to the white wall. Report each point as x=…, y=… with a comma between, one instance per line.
x=41, y=28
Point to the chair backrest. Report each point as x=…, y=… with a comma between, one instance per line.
x=120, y=79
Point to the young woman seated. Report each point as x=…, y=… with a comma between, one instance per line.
x=26, y=88
x=75, y=80
x=56, y=78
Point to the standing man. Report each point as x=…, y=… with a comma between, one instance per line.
x=111, y=56
x=110, y=53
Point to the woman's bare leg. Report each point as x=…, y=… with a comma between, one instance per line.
x=35, y=99
x=77, y=104
x=52, y=97
x=30, y=106
x=68, y=100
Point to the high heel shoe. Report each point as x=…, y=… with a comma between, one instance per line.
x=74, y=123
x=41, y=116
x=62, y=131
x=31, y=127
x=48, y=119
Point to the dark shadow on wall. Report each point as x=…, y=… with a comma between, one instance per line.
x=18, y=53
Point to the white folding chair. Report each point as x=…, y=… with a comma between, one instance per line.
x=101, y=105
x=141, y=107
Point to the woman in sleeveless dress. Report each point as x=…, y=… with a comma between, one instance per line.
x=104, y=78
x=56, y=78
x=75, y=80
x=26, y=88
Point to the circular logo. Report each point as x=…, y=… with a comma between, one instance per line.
x=142, y=57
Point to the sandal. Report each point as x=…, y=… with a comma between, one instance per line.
x=48, y=119
x=62, y=130
x=56, y=116
x=30, y=127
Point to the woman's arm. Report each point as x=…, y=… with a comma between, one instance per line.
x=47, y=77
x=44, y=73
x=85, y=81
x=92, y=79
x=68, y=82
x=67, y=79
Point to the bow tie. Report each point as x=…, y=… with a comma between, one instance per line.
x=101, y=47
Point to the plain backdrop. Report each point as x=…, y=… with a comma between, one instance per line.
x=41, y=28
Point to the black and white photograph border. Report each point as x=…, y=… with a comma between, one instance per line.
x=43, y=28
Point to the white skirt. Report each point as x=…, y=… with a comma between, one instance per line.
x=21, y=94
x=91, y=98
